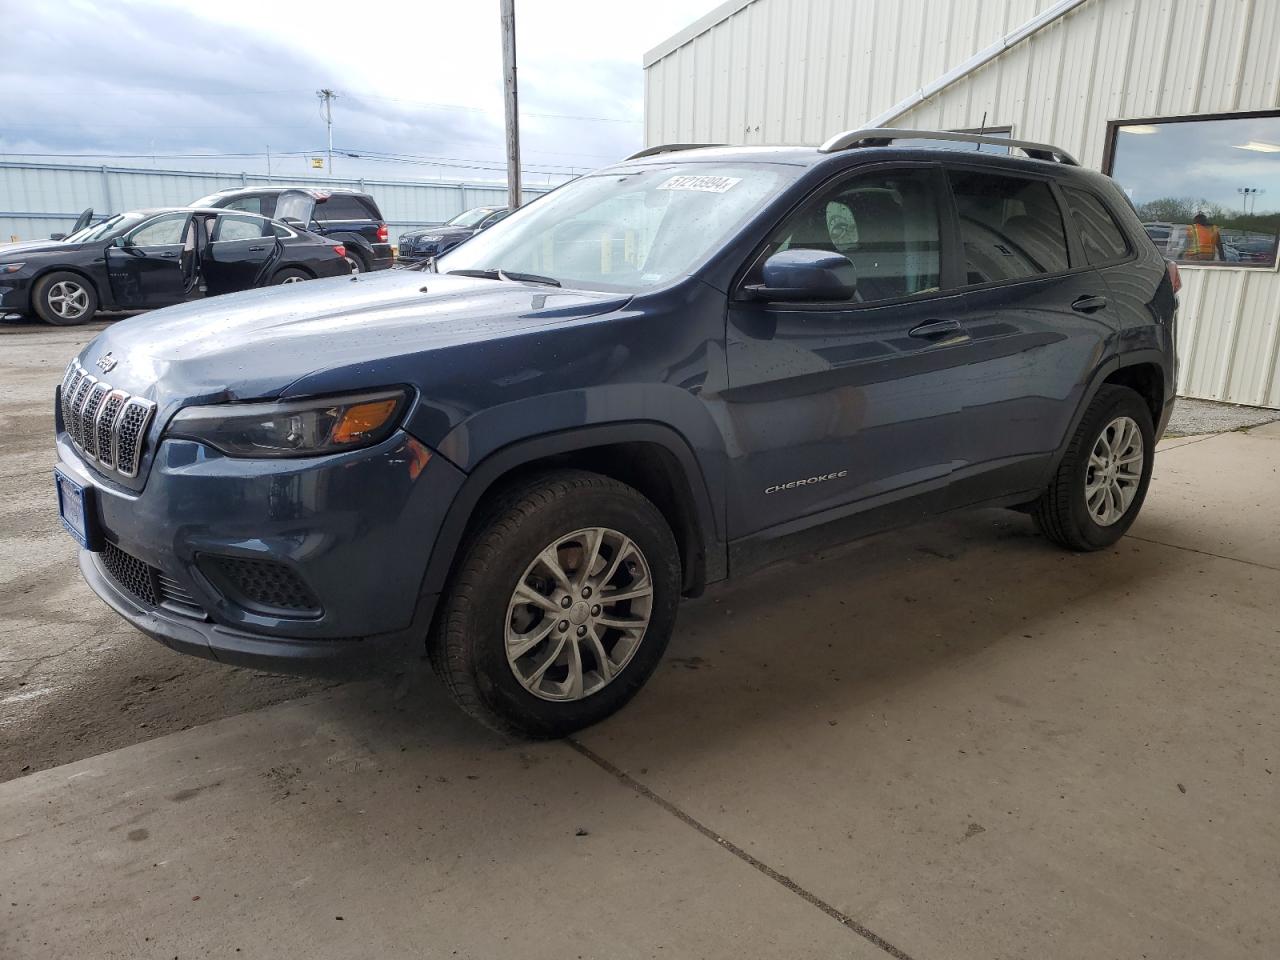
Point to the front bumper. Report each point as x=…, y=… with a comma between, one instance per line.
x=15, y=295
x=356, y=528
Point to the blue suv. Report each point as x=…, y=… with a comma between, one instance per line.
x=673, y=371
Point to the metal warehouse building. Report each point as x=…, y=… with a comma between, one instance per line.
x=1179, y=100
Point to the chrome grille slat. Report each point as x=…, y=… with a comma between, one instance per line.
x=105, y=425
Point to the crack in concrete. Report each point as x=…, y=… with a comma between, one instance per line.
x=782, y=879
x=1204, y=553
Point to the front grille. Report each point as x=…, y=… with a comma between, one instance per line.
x=107, y=426
x=148, y=584
x=263, y=584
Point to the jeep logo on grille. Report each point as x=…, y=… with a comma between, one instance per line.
x=106, y=362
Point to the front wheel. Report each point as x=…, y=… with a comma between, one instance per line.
x=1099, y=487
x=561, y=606
x=64, y=299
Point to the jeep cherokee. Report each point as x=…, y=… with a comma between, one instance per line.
x=677, y=369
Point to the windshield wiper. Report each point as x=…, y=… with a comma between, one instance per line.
x=496, y=273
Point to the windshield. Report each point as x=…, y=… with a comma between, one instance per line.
x=470, y=218
x=110, y=227
x=628, y=231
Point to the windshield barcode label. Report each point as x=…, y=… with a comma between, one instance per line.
x=703, y=184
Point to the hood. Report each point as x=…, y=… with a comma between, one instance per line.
x=7, y=250
x=442, y=232
x=257, y=343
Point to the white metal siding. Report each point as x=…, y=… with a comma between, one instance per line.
x=38, y=199
x=797, y=71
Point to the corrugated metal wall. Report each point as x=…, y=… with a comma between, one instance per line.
x=796, y=71
x=37, y=199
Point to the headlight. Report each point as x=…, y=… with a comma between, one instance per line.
x=292, y=428
x=10, y=267
x=433, y=238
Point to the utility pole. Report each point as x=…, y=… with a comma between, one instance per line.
x=328, y=96
x=512, y=101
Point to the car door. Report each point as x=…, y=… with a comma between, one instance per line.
x=841, y=409
x=1037, y=316
x=240, y=252
x=151, y=266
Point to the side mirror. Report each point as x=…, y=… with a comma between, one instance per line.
x=122, y=242
x=57, y=236
x=805, y=276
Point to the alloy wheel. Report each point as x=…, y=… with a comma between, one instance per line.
x=68, y=299
x=293, y=280
x=1114, y=472
x=578, y=614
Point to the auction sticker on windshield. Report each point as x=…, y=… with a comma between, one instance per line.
x=703, y=184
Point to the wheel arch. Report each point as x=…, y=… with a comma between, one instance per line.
x=300, y=267
x=650, y=457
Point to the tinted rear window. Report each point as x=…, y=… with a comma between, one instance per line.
x=340, y=207
x=1102, y=237
x=1011, y=228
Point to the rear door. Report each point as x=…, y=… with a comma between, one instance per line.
x=242, y=249
x=1037, y=314
x=836, y=409
x=154, y=263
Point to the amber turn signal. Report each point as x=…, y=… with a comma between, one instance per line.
x=362, y=419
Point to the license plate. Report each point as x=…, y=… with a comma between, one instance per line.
x=75, y=510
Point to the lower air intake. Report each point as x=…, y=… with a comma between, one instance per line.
x=263, y=585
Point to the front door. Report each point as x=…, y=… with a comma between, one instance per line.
x=836, y=410
x=150, y=266
x=239, y=255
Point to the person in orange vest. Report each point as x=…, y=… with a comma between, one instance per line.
x=1204, y=240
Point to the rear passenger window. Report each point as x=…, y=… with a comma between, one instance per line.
x=1011, y=228
x=885, y=223
x=1102, y=238
x=239, y=228
x=247, y=204
x=341, y=208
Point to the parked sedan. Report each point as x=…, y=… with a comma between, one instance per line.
x=154, y=258
x=433, y=241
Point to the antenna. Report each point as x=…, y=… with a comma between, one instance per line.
x=982, y=129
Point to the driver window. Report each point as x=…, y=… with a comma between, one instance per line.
x=163, y=232
x=885, y=223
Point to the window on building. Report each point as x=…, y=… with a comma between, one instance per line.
x=1102, y=238
x=885, y=223
x=1207, y=191
x=1011, y=228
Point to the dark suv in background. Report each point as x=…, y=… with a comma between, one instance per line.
x=433, y=241
x=673, y=371
x=348, y=217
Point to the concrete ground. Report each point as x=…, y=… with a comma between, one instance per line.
x=1208, y=416
x=955, y=741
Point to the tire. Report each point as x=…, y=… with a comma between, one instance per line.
x=355, y=259
x=1067, y=513
x=289, y=275
x=64, y=299
x=479, y=612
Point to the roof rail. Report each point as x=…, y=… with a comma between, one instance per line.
x=883, y=136
x=670, y=148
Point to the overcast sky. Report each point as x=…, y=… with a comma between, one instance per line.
x=415, y=80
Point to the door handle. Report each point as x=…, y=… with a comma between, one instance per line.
x=1088, y=304
x=936, y=331
x=256, y=249
x=170, y=254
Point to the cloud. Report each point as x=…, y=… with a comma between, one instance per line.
x=421, y=80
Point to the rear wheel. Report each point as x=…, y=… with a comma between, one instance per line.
x=355, y=261
x=561, y=606
x=289, y=275
x=1102, y=481
x=64, y=299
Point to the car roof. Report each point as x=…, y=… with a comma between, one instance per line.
x=312, y=191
